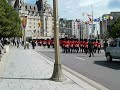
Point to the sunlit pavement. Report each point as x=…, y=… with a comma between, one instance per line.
x=28, y=70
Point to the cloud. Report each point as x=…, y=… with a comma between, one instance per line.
x=114, y=4
x=30, y=1
x=85, y=3
x=73, y=9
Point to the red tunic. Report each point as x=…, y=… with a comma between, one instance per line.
x=77, y=44
x=83, y=44
x=98, y=44
x=95, y=44
x=48, y=42
x=86, y=44
x=71, y=43
x=67, y=44
x=44, y=42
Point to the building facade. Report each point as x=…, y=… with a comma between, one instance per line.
x=107, y=20
x=39, y=17
x=71, y=28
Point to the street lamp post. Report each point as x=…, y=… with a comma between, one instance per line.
x=57, y=72
x=24, y=22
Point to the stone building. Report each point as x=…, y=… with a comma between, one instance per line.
x=39, y=17
x=71, y=28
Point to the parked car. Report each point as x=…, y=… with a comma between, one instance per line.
x=113, y=50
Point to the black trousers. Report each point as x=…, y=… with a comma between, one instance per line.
x=77, y=49
x=90, y=52
x=98, y=50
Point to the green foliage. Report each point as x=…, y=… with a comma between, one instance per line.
x=114, y=29
x=10, y=22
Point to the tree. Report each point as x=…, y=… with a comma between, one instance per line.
x=10, y=23
x=114, y=29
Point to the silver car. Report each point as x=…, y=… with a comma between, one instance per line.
x=113, y=50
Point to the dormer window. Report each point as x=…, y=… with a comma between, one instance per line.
x=34, y=8
x=30, y=7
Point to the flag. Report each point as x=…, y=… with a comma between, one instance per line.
x=90, y=19
x=87, y=22
x=89, y=15
x=97, y=20
x=111, y=17
x=86, y=14
x=39, y=24
x=24, y=21
x=106, y=17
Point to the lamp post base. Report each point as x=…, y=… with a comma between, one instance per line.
x=57, y=73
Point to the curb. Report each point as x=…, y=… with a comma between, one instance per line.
x=82, y=77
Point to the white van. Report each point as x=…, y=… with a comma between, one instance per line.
x=113, y=50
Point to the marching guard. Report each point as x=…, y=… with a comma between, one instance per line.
x=98, y=46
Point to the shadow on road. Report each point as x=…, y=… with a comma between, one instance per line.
x=113, y=65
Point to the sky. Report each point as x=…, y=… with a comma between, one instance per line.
x=73, y=9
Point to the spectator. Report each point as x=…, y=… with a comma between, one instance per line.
x=105, y=45
x=17, y=44
x=33, y=44
x=1, y=47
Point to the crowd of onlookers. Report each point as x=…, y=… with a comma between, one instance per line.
x=2, y=43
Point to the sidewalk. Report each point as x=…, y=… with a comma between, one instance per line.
x=28, y=70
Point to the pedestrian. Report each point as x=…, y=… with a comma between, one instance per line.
x=17, y=43
x=44, y=43
x=40, y=42
x=48, y=43
x=33, y=44
x=22, y=43
x=98, y=46
x=67, y=43
x=1, y=47
x=95, y=46
x=83, y=44
x=105, y=45
x=86, y=46
x=13, y=42
x=77, y=45
x=63, y=46
x=90, y=48
x=71, y=45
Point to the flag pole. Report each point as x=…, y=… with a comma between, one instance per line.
x=92, y=20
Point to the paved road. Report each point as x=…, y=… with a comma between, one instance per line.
x=95, y=68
